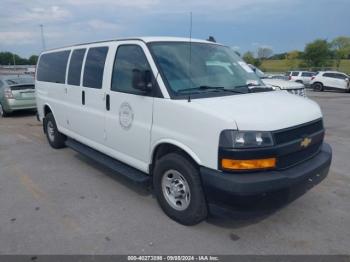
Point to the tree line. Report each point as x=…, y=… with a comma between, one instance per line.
x=319, y=53
x=8, y=58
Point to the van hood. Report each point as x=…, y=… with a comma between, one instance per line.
x=268, y=111
x=283, y=84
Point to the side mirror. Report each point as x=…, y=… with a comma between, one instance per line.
x=142, y=80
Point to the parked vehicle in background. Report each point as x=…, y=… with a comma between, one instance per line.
x=331, y=80
x=16, y=93
x=278, y=83
x=278, y=76
x=302, y=77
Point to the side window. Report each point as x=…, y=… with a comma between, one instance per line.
x=130, y=63
x=340, y=76
x=94, y=67
x=295, y=73
x=307, y=74
x=74, y=71
x=328, y=75
x=52, y=67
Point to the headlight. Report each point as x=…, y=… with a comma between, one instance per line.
x=245, y=139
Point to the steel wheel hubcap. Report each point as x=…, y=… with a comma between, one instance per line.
x=51, y=131
x=176, y=190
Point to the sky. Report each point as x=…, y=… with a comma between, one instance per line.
x=282, y=25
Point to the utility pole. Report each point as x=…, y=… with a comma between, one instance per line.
x=42, y=36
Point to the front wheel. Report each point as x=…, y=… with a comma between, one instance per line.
x=178, y=189
x=55, y=138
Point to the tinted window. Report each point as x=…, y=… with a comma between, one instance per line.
x=17, y=81
x=129, y=60
x=94, y=66
x=340, y=76
x=75, y=65
x=328, y=75
x=52, y=67
x=308, y=74
x=295, y=73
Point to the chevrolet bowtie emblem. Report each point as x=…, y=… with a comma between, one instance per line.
x=305, y=142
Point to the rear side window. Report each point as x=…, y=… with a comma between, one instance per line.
x=129, y=60
x=307, y=74
x=76, y=62
x=340, y=76
x=295, y=73
x=94, y=66
x=52, y=67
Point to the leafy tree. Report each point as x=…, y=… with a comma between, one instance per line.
x=264, y=52
x=292, y=59
x=8, y=58
x=317, y=53
x=248, y=57
x=278, y=56
x=33, y=59
x=341, y=48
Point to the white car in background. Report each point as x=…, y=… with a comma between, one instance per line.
x=280, y=84
x=331, y=80
x=302, y=77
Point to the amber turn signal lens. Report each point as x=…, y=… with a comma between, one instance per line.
x=235, y=164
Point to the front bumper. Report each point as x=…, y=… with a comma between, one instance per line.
x=223, y=188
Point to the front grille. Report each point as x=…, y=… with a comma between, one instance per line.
x=294, y=158
x=299, y=92
x=291, y=134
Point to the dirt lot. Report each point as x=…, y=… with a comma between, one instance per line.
x=58, y=202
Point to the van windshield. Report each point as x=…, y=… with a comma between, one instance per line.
x=200, y=67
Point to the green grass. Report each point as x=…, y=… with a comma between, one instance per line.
x=281, y=66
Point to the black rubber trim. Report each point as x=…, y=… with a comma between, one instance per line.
x=122, y=169
x=219, y=184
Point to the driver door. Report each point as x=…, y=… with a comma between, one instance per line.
x=130, y=110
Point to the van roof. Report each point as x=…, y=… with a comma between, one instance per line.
x=146, y=39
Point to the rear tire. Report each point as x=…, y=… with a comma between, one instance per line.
x=178, y=189
x=54, y=137
x=3, y=113
x=318, y=87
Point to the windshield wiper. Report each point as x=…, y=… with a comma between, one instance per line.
x=212, y=89
x=203, y=88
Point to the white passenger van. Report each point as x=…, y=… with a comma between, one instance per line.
x=165, y=111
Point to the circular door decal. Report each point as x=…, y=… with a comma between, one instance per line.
x=126, y=116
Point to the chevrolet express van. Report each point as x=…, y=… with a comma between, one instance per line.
x=165, y=111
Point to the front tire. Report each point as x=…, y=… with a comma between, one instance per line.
x=54, y=137
x=178, y=189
